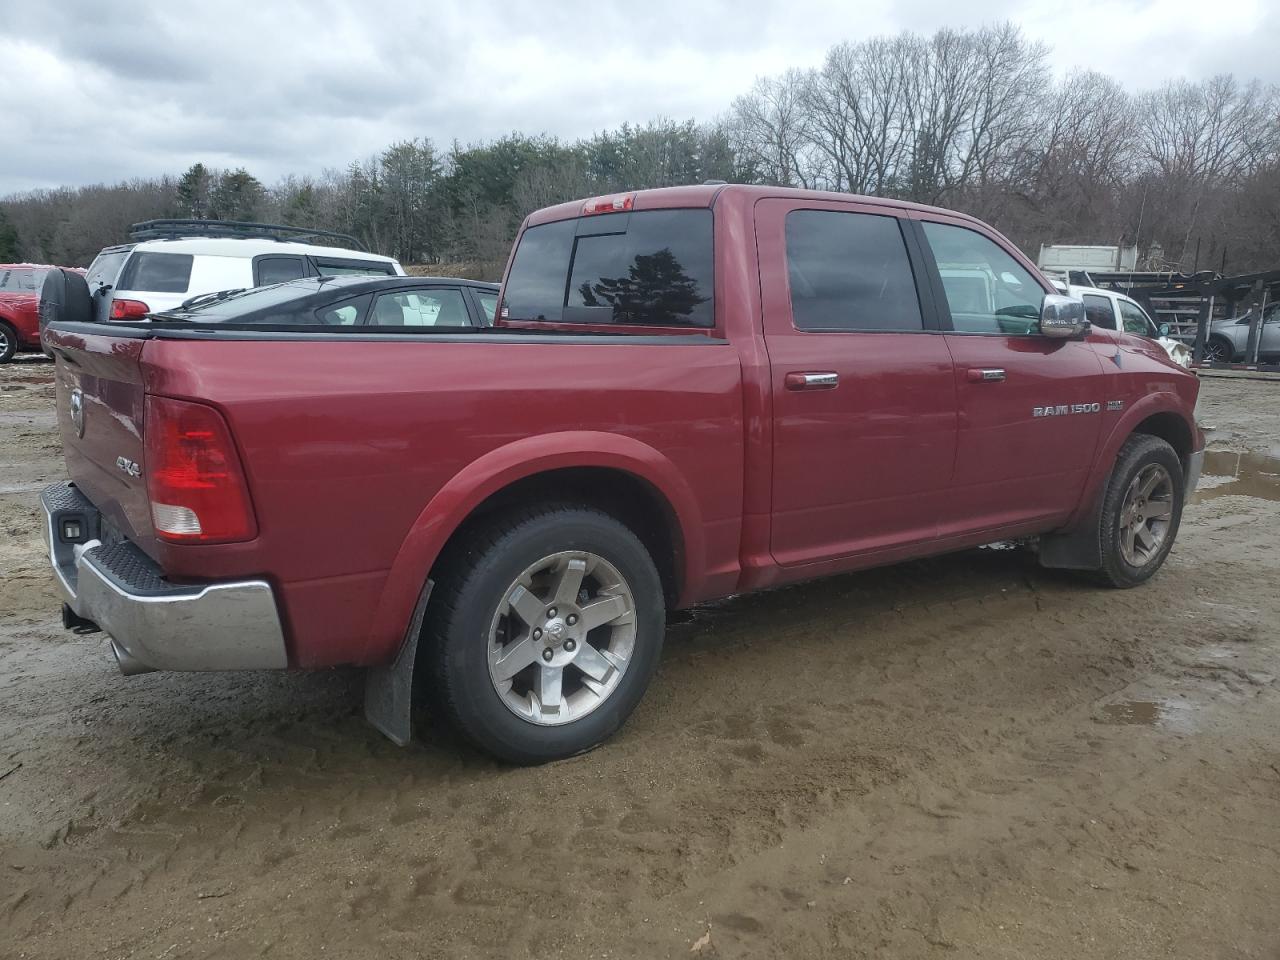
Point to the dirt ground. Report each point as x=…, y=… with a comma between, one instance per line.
x=965, y=757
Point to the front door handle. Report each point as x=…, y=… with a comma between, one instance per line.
x=825, y=380
x=986, y=375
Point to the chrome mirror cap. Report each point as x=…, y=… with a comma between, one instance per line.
x=1063, y=317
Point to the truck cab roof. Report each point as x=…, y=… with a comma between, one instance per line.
x=708, y=194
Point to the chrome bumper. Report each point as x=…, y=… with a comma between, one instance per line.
x=1195, y=464
x=154, y=624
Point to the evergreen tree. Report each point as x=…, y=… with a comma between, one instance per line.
x=193, y=192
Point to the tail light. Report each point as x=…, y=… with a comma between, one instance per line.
x=618, y=203
x=195, y=482
x=128, y=309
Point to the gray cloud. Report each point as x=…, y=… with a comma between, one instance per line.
x=98, y=93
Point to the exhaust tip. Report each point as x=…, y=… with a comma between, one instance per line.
x=129, y=665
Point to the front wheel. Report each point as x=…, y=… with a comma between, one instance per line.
x=1141, y=510
x=545, y=630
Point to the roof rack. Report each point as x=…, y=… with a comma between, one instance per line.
x=179, y=229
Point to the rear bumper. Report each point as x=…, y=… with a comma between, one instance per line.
x=154, y=624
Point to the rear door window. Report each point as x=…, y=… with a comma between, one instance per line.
x=157, y=273
x=415, y=309
x=850, y=271
x=347, y=313
x=646, y=268
x=488, y=301
x=269, y=270
x=1099, y=311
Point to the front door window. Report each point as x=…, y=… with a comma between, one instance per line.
x=987, y=290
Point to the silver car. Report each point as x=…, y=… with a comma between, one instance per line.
x=1229, y=339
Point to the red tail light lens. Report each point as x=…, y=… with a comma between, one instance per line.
x=128, y=309
x=616, y=204
x=195, y=481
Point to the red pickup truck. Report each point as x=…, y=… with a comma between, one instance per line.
x=688, y=393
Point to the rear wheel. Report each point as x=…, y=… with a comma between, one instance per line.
x=1141, y=511
x=545, y=631
x=8, y=342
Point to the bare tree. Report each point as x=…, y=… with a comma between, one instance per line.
x=771, y=130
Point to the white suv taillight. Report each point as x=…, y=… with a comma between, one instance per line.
x=195, y=482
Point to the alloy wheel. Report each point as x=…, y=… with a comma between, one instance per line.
x=1146, y=514
x=562, y=637
x=1217, y=352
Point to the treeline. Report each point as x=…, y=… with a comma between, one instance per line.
x=972, y=120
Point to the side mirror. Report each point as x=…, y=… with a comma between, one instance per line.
x=1063, y=317
x=1164, y=329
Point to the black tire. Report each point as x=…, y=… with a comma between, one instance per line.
x=64, y=297
x=467, y=596
x=1139, y=451
x=8, y=341
x=1219, y=350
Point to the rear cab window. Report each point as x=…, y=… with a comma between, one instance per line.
x=157, y=272
x=649, y=268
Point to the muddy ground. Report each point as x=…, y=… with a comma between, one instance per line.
x=964, y=757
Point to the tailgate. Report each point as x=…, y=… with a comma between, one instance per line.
x=100, y=400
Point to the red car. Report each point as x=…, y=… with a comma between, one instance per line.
x=20, y=307
x=689, y=393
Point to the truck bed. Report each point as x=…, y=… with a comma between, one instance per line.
x=355, y=445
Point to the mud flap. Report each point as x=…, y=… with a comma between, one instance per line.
x=1079, y=548
x=388, y=689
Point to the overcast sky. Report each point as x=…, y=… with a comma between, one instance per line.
x=98, y=92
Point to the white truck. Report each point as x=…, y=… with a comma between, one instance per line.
x=1115, y=311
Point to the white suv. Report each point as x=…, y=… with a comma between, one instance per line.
x=175, y=260
x=1115, y=311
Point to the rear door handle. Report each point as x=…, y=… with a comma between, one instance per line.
x=986, y=375
x=825, y=380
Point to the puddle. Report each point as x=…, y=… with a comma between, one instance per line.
x=1228, y=474
x=1146, y=712
x=1173, y=714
